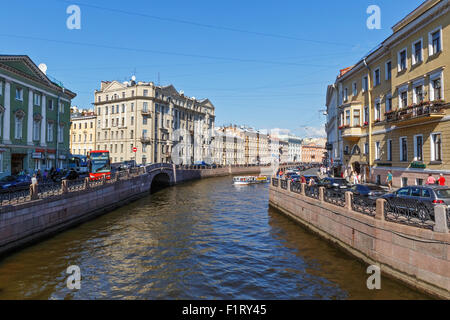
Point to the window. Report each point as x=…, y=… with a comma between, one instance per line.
x=99, y=99
x=19, y=94
x=18, y=127
x=1, y=92
x=377, y=111
x=366, y=115
x=60, y=133
x=145, y=107
x=418, y=148
x=436, y=87
x=436, y=147
x=403, y=103
x=345, y=95
x=388, y=103
x=61, y=107
x=388, y=70
x=402, y=60
x=355, y=89
x=418, y=94
x=365, y=83
x=366, y=148
x=434, y=40
x=123, y=108
x=376, y=77
x=50, y=132
x=417, y=56
x=144, y=133
x=117, y=109
x=144, y=120
x=112, y=109
x=37, y=99
x=145, y=93
x=132, y=107
x=132, y=121
x=389, y=150
x=50, y=104
x=377, y=150
x=403, y=149
x=132, y=134
x=419, y=182
x=36, y=130
x=404, y=192
x=347, y=117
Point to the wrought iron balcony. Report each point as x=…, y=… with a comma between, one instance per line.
x=146, y=140
x=418, y=113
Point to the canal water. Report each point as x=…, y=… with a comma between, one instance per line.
x=204, y=239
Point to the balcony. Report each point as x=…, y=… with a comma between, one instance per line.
x=351, y=133
x=146, y=112
x=146, y=140
x=424, y=112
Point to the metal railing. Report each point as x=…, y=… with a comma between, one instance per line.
x=312, y=191
x=275, y=182
x=49, y=189
x=334, y=197
x=364, y=205
x=296, y=187
x=410, y=212
x=75, y=185
x=284, y=184
x=14, y=196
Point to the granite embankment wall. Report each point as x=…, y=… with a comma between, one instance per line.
x=416, y=256
x=31, y=220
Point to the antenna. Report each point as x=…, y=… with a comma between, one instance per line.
x=159, y=80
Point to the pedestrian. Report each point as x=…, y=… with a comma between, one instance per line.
x=45, y=174
x=389, y=180
x=441, y=180
x=431, y=180
x=303, y=179
x=34, y=180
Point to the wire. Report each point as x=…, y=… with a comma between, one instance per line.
x=209, y=26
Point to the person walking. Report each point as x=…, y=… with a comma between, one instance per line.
x=441, y=180
x=389, y=180
x=431, y=180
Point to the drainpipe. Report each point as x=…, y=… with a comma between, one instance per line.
x=369, y=95
x=57, y=131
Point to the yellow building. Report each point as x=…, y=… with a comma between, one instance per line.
x=82, y=131
x=392, y=107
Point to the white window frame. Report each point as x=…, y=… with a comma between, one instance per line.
x=20, y=98
x=364, y=87
x=366, y=148
x=18, y=122
x=433, y=77
x=400, y=91
x=420, y=83
x=375, y=83
x=345, y=94
x=50, y=132
x=387, y=73
x=377, y=110
x=37, y=99
x=388, y=96
x=389, y=150
x=432, y=150
x=399, y=60
x=401, y=148
x=377, y=151
x=1, y=93
x=36, y=130
x=430, y=41
x=413, y=52
x=416, y=156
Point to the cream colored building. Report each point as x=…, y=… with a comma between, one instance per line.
x=393, y=106
x=82, y=131
x=162, y=123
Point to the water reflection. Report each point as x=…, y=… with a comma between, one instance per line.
x=202, y=240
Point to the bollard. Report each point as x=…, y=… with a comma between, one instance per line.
x=379, y=215
x=86, y=183
x=348, y=200
x=321, y=194
x=303, y=189
x=34, y=192
x=440, y=219
x=64, y=188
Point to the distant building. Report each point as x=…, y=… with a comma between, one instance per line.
x=82, y=131
x=35, y=118
x=313, y=153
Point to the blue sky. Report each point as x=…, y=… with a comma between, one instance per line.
x=263, y=63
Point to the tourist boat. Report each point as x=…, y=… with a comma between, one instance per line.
x=249, y=180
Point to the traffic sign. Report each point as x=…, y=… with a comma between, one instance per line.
x=134, y=149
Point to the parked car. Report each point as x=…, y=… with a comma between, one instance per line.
x=315, y=178
x=432, y=194
x=9, y=183
x=295, y=178
x=334, y=183
x=372, y=192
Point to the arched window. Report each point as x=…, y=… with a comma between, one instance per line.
x=356, y=150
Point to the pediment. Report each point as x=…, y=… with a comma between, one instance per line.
x=25, y=66
x=114, y=85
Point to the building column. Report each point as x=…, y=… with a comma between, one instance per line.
x=44, y=121
x=7, y=114
x=30, y=118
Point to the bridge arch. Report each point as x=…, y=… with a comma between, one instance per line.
x=160, y=181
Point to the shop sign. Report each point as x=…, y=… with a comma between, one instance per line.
x=36, y=155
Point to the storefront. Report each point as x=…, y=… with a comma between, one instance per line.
x=37, y=157
x=50, y=161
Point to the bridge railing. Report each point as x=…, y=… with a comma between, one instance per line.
x=410, y=212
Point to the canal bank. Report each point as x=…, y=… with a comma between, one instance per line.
x=54, y=211
x=418, y=257
x=203, y=239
